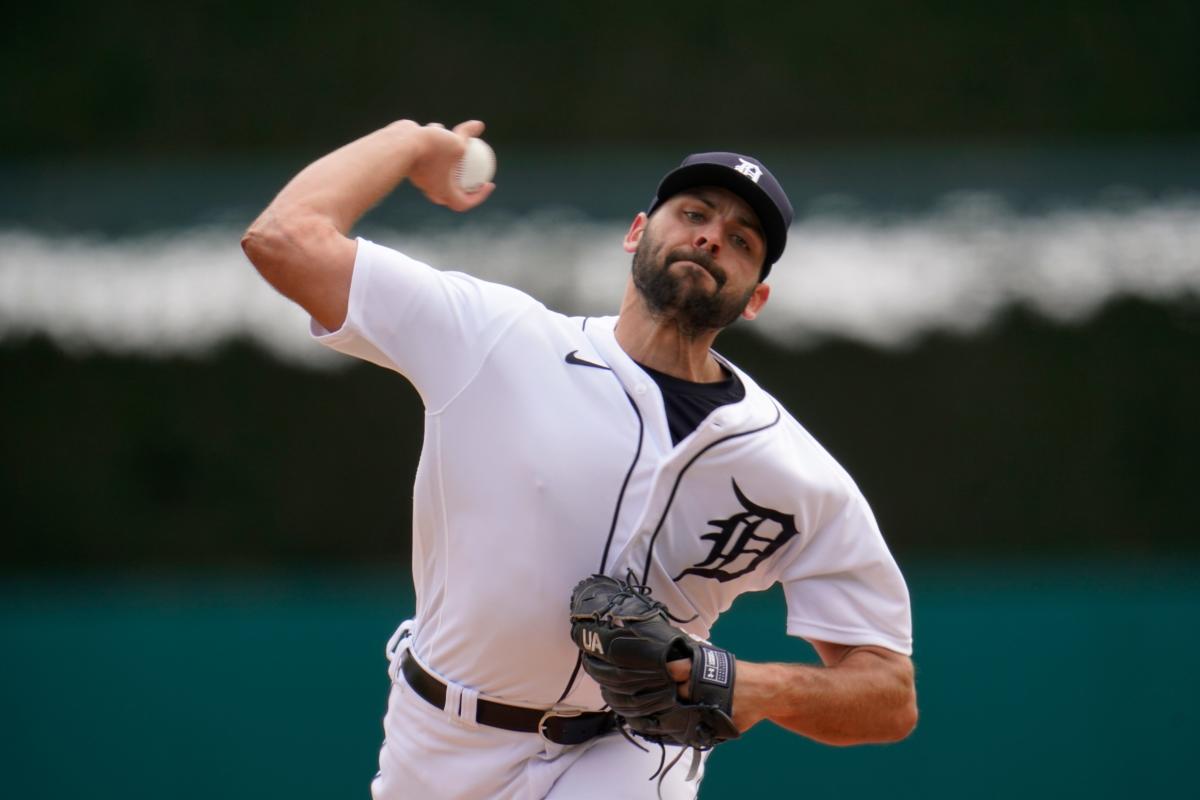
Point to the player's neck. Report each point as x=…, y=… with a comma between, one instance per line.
x=658, y=343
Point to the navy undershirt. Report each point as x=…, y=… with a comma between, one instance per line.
x=688, y=403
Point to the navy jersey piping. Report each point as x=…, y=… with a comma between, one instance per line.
x=679, y=479
x=612, y=528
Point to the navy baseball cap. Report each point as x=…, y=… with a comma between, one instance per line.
x=748, y=179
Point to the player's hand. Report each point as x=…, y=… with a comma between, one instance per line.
x=746, y=713
x=627, y=641
x=439, y=151
x=680, y=671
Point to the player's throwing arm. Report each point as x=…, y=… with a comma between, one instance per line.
x=301, y=243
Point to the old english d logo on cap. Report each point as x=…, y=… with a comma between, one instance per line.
x=750, y=170
x=746, y=177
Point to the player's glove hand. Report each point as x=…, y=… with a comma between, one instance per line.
x=627, y=639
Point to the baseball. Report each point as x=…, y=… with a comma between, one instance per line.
x=477, y=166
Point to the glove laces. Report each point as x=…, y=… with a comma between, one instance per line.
x=664, y=767
x=637, y=587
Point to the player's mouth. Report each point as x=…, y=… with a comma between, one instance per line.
x=700, y=259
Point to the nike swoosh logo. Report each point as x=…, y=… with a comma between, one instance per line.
x=574, y=359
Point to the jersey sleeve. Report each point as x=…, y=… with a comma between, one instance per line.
x=844, y=585
x=435, y=328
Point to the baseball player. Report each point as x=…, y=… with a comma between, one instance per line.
x=558, y=448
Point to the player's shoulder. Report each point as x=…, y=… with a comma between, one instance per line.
x=796, y=448
x=524, y=312
x=373, y=256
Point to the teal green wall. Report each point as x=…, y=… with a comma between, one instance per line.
x=1035, y=680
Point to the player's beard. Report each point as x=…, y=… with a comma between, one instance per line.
x=692, y=308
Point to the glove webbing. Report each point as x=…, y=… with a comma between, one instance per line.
x=635, y=586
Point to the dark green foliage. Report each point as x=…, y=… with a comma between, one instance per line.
x=262, y=74
x=1030, y=436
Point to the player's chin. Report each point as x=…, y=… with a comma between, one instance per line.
x=697, y=276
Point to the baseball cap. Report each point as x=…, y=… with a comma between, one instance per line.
x=748, y=179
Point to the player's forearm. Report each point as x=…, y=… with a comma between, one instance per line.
x=865, y=698
x=343, y=185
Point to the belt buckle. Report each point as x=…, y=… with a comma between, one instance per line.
x=545, y=720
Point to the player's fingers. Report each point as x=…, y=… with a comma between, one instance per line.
x=632, y=684
x=680, y=671
x=465, y=201
x=640, y=704
x=471, y=127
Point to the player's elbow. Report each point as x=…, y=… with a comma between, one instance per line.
x=276, y=244
x=895, y=699
x=887, y=725
x=266, y=242
x=895, y=705
x=260, y=242
x=904, y=720
x=903, y=716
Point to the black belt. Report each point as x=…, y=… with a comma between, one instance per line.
x=556, y=726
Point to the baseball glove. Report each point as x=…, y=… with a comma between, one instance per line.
x=627, y=639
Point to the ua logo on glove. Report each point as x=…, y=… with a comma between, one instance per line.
x=591, y=642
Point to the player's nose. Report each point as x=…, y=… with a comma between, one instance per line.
x=707, y=239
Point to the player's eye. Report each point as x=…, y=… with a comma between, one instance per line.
x=740, y=242
x=693, y=216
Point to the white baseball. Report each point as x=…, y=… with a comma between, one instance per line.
x=477, y=166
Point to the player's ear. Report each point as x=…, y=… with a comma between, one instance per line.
x=758, y=299
x=635, y=232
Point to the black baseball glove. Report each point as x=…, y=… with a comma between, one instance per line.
x=627, y=639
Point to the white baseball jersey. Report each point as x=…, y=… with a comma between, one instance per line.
x=547, y=457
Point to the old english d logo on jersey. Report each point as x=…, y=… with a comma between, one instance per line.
x=743, y=541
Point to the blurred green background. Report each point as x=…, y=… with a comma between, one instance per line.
x=205, y=525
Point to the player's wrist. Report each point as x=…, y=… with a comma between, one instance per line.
x=756, y=688
x=405, y=137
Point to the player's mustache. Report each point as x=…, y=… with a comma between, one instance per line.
x=698, y=257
